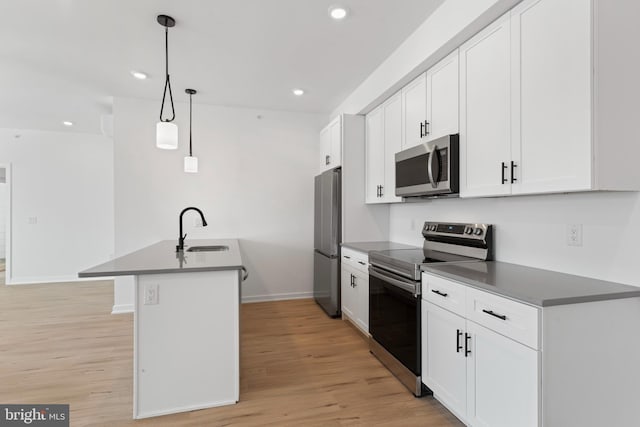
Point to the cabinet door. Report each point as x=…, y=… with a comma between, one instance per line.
x=335, y=131
x=442, y=98
x=362, y=288
x=414, y=111
x=443, y=359
x=348, y=302
x=502, y=380
x=485, y=111
x=325, y=149
x=392, y=111
x=551, y=66
x=374, y=167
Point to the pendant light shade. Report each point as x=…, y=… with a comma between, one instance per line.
x=190, y=162
x=167, y=135
x=166, y=131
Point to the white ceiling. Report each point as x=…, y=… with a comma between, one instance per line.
x=66, y=59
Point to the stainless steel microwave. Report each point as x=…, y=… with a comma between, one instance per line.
x=429, y=169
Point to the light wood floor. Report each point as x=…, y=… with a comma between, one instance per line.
x=59, y=344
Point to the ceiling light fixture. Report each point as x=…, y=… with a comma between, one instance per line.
x=190, y=162
x=166, y=131
x=67, y=123
x=139, y=75
x=298, y=92
x=338, y=12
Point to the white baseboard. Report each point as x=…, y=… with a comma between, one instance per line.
x=276, y=297
x=53, y=279
x=122, y=308
x=184, y=409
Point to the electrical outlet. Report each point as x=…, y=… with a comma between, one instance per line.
x=574, y=234
x=32, y=220
x=151, y=294
x=413, y=225
x=197, y=222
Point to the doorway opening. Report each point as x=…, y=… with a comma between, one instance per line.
x=4, y=221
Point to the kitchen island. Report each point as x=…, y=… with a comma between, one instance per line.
x=186, y=324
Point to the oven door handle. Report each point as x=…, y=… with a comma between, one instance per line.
x=413, y=287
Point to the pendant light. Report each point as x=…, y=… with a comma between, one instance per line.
x=190, y=162
x=166, y=131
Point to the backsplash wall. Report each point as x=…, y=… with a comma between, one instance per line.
x=532, y=230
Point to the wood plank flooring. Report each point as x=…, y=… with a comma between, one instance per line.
x=60, y=344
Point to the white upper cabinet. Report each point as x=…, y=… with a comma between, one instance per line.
x=442, y=98
x=430, y=103
x=335, y=131
x=551, y=96
x=331, y=145
x=485, y=111
x=544, y=106
x=374, y=152
x=392, y=144
x=414, y=111
x=383, y=140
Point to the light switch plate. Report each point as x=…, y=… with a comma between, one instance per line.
x=574, y=234
x=151, y=296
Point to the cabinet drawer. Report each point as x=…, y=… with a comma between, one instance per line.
x=510, y=318
x=355, y=259
x=444, y=293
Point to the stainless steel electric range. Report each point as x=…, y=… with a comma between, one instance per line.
x=395, y=293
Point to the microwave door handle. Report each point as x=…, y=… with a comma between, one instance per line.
x=433, y=171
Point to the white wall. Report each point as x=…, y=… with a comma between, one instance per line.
x=449, y=26
x=65, y=181
x=531, y=230
x=255, y=183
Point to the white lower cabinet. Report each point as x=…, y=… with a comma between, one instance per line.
x=502, y=380
x=484, y=378
x=355, y=288
x=498, y=362
x=443, y=362
x=348, y=296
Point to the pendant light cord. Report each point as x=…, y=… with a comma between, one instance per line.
x=190, y=125
x=167, y=83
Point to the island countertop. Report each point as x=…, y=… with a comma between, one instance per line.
x=162, y=258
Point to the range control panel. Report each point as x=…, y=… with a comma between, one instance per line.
x=474, y=231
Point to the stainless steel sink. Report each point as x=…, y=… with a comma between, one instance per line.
x=215, y=248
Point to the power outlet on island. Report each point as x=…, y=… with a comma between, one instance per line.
x=151, y=294
x=574, y=234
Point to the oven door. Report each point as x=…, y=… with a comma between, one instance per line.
x=394, y=316
x=428, y=169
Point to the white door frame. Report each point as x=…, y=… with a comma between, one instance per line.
x=8, y=222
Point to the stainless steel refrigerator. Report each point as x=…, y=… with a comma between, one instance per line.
x=326, y=242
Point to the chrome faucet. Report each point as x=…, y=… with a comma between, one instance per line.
x=181, y=238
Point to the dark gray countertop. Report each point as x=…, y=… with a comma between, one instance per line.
x=162, y=258
x=375, y=246
x=533, y=286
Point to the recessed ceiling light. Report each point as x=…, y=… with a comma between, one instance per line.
x=139, y=75
x=338, y=12
x=298, y=92
x=67, y=123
